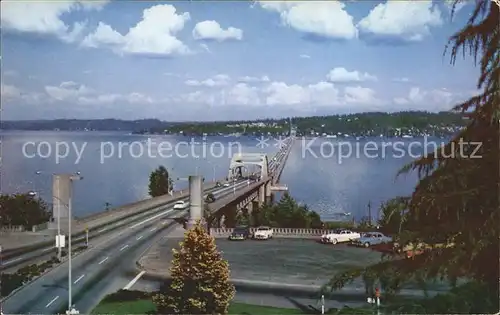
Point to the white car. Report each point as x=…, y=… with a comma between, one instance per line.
x=340, y=236
x=181, y=205
x=226, y=185
x=263, y=233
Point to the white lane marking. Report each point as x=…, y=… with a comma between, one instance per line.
x=153, y=229
x=151, y=218
x=11, y=261
x=103, y=260
x=79, y=278
x=53, y=300
x=123, y=247
x=47, y=249
x=139, y=237
x=215, y=192
x=131, y=283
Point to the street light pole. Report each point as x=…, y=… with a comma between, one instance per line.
x=70, y=304
x=70, y=206
x=1, y=274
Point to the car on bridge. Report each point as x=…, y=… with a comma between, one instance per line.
x=340, y=236
x=263, y=233
x=181, y=205
x=209, y=198
x=240, y=233
x=372, y=238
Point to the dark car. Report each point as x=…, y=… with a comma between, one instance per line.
x=240, y=233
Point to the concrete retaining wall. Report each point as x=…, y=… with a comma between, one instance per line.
x=277, y=232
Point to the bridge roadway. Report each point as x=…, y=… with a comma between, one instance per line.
x=96, y=270
x=108, y=221
x=92, y=268
x=276, y=166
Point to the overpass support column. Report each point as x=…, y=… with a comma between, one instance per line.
x=195, y=201
x=269, y=192
x=262, y=195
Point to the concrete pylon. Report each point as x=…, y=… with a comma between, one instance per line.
x=196, y=206
x=61, y=193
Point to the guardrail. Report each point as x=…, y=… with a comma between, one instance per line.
x=277, y=232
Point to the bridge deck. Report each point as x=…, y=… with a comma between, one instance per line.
x=223, y=202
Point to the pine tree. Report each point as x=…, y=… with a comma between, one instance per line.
x=160, y=182
x=456, y=199
x=200, y=278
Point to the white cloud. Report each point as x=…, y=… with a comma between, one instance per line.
x=211, y=30
x=216, y=80
x=250, y=79
x=433, y=100
x=304, y=56
x=243, y=94
x=405, y=20
x=322, y=93
x=44, y=18
x=153, y=35
x=361, y=96
x=70, y=91
x=326, y=19
x=205, y=47
x=67, y=91
x=10, y=91
x=404, y=80
x=342, y=75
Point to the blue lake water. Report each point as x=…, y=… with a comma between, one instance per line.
x=116, y=167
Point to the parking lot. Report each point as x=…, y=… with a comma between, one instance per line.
x=293, y=261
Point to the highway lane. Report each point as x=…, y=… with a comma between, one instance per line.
x=48, y=294
x=12, y=264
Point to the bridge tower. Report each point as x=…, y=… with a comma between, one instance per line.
x=241, y=160
x=196, y=206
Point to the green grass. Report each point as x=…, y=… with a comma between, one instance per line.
x=126, y=307
x=145, y=306
x=137, y=302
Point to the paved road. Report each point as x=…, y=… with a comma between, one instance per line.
x=9, y=265
x=93, y=269
x=263, y=298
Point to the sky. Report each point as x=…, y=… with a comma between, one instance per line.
x=195, y=60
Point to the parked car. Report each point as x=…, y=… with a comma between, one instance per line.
x=226, y=185
x=372, y=238
x=240, y=233
x=340, y=236
x=263, y=233
x=181, y=205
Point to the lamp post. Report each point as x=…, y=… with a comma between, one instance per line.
x=213, y=168
x=1, y=274
x=72, y=178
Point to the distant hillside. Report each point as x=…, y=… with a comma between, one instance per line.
x=359, y=124
x=85, y=124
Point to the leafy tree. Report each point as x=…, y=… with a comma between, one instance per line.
x=393, y=215
x=160, y=182
x=23, y=210
x=287, y=213
x=200, y=278
x=456, y=198
x=242, y=217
